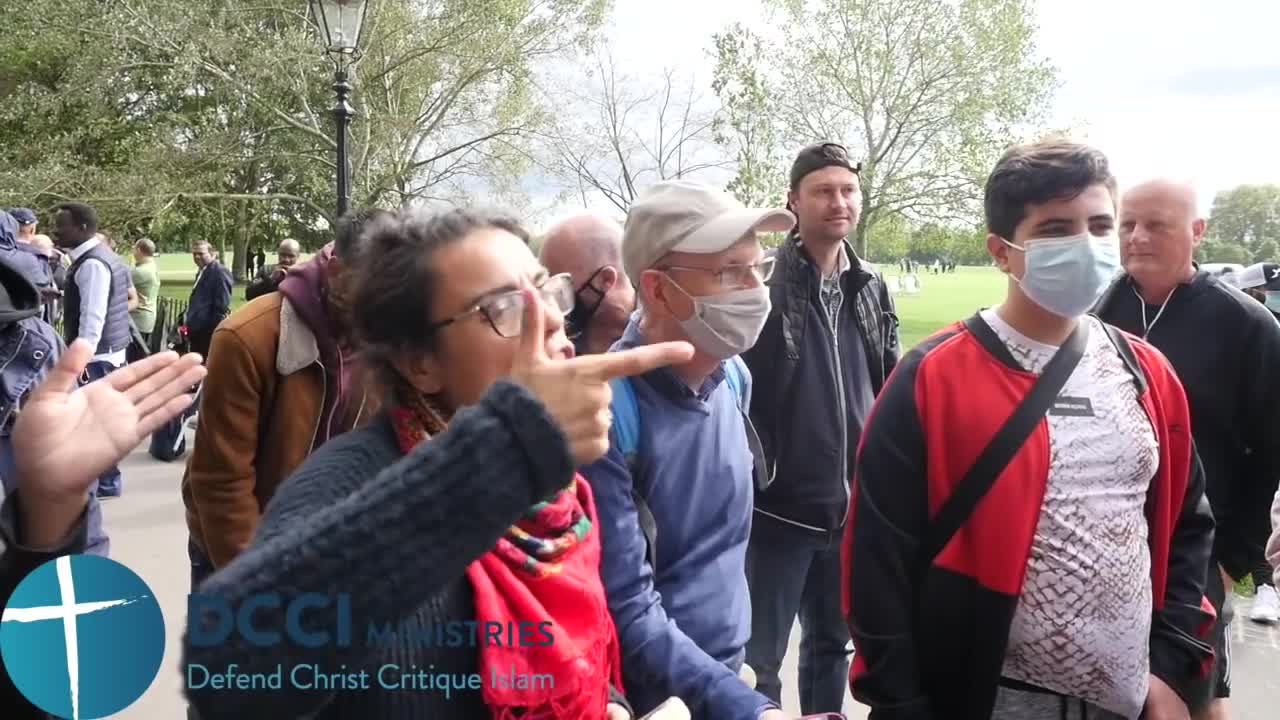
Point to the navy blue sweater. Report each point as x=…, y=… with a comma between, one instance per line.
x=395, y=535
x=683, y=625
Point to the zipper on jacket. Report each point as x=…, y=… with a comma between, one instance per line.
x=833, y=325
x=779, y=518
x=324, y=391
x=859, y=316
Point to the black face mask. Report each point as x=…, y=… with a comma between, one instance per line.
x=584, y=309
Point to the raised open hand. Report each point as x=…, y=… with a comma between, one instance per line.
x=576, y=392
x=64, y=437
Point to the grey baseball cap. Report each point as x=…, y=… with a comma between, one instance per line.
x=683, y=216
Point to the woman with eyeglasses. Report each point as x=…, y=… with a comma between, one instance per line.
x=442, y=561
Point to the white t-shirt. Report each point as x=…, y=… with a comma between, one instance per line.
x=1083, y=623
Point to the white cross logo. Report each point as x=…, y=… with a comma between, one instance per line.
x=1275, y=272
x=67, y=613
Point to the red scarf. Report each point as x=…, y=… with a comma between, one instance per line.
x=544, y=574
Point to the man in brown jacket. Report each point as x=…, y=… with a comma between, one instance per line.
x=281, y=383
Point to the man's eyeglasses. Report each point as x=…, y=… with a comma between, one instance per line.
x=734, y=276
x=505, y=312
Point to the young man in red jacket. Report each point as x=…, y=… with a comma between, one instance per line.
x=1073, y=585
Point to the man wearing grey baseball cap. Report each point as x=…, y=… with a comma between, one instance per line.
x=674, y=493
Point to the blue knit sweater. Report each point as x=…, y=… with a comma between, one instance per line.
x=392, y=536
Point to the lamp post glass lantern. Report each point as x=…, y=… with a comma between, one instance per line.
x=340, y=23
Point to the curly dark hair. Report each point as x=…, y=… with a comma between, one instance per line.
x=395, y=279
x=1037, y=173
x=351, y=227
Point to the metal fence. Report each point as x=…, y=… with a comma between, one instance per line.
x=169, y=313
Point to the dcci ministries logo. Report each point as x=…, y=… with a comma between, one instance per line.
x=82, y=637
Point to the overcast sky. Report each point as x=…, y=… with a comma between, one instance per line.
x=1162, y=86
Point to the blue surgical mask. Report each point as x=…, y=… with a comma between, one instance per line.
x=1067, y=275
x=1273, y=301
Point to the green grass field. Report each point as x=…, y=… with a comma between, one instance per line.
x=942, y=300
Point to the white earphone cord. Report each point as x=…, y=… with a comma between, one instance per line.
x=1142, y=303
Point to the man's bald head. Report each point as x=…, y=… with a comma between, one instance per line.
x=1160, y=229
x=287, y=253
x=582, y=244
x=589, y=248
x=1171, y=192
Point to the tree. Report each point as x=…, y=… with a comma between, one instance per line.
x=623, y=133
x=1247, y=216
x=1223, y=252
x=927, y=93
x=1268, y=251
x=752, y=137
x=171, y=115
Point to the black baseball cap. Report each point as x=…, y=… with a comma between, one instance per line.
x=818, y=156
x=24, y=216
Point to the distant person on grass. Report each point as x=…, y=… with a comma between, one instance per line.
x=146, y=281
x=210, y=298
x=269, y=276
x=1226, y=349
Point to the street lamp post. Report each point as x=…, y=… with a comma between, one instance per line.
x=340, y=23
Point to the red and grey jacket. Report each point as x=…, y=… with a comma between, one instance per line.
x=931, y=633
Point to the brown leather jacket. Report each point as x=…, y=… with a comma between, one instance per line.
x=260, y=413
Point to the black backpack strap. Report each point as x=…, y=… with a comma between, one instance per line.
x=1007, y=442
x=1123, y=347
x=648, y=527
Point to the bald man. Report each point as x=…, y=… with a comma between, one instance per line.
x=269, y=276
x=589, y=248
x=1225, y=348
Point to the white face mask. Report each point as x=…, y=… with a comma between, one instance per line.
x=729, y=323
x=1067, y=275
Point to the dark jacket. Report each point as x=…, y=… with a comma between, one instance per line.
x=210, y=298
x=930, y=634
x=115, y=325
x=16, y=562
x=29, y=347
x=22, y=257
x=1225, y=347
x=395, y=535
x=267, y=280
x=802, y=402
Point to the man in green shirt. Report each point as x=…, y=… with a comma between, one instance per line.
x=146, y=280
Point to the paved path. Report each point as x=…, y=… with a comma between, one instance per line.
x=148, y=533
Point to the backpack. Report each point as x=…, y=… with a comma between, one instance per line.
x=169, y=441
x=626, y=428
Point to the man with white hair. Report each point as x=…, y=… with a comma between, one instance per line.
x=589, y=248
x=1225, y=348
x=674, y=492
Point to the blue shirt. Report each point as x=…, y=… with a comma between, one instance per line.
x=683, y=628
